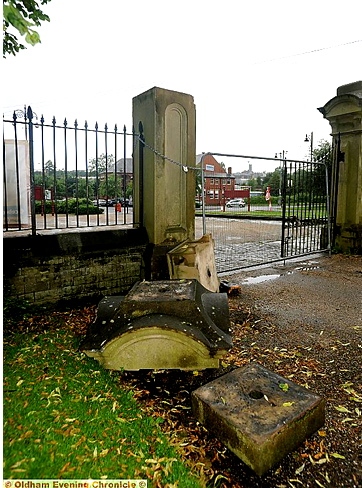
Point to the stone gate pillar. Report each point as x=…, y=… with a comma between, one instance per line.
x=344, y=113
x=164, y=201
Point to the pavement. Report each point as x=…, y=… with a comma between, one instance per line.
x=315, y=295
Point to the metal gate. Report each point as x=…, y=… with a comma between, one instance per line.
x=306, y=224
x=298, y=224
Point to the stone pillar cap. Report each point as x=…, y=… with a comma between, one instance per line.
x=351, y=88
x=351, y=93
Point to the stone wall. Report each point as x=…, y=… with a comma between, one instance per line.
x=64, y=266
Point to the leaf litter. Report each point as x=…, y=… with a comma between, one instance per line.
x=331, y=457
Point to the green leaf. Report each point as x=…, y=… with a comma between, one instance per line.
x=338, y=456
x=32, y=37
x=284, y=386
x=14, y=17
x=355, y=399
x=342, y=409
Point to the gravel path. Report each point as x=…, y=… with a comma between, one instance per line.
x=304, y=321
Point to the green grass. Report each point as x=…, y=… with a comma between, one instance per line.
x=300, y=211
x=242, y=213
x=66, y=417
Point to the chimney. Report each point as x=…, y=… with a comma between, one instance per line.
x=230, y=170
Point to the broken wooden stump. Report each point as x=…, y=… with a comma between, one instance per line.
x=175, y=324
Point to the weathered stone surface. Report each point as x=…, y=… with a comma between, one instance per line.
x=195, y=260
x=172, y=324
x=258, y=414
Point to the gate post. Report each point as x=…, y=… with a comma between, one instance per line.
x=164, y=200
x=344, y=113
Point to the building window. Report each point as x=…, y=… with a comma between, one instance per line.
x=212, y=181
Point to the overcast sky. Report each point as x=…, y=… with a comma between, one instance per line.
x=257, y=70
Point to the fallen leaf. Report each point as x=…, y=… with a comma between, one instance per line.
x=355, y=399
x=300, y=469
x=342, y=409
x=288, y=404
x=337, y=456
x=284, y=386
x=321, y=461
x=294, y=481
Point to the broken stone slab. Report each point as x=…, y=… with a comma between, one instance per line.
x=259, y=415
x=170, y=324
x=195, y=260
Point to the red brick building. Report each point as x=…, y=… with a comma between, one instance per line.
x=217, y=180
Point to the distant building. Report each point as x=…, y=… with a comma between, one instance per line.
x=241, y=178
x=217, y=180
x=123, y=168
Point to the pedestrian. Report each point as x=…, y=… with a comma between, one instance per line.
x=268, y=197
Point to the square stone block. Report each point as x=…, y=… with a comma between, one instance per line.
x=259, y=415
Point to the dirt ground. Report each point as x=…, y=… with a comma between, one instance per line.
x=307, y=326
x=302, y=320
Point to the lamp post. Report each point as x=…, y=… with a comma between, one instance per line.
x=309, y=138
x=282, y=156
x=22, y=114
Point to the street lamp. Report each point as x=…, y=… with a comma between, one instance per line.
x=309, y=138
x=22, y=114
x=283, y=156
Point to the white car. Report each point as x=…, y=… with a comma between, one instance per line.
x=236, y=202
x=103, y=203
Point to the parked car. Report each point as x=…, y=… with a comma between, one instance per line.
x=236, y=202
x=124, y=202
x=103, y=203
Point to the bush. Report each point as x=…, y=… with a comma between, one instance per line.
x=82, y=206
x=89, y=209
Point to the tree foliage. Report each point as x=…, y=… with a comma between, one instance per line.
x=101, y=164
x=273, y=180
x=23, y=16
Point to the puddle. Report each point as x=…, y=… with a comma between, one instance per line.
x=260, y=279
x=307, y=268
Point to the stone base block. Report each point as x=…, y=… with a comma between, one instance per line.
x=259, y=415
x=170, y=324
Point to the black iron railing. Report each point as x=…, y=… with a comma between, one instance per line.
x=62, y=175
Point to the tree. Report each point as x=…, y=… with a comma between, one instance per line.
x=22, y=15
x=111, y=187
x=273, y=180
x=322, y=154
x=101, y=164
x=323, y=151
